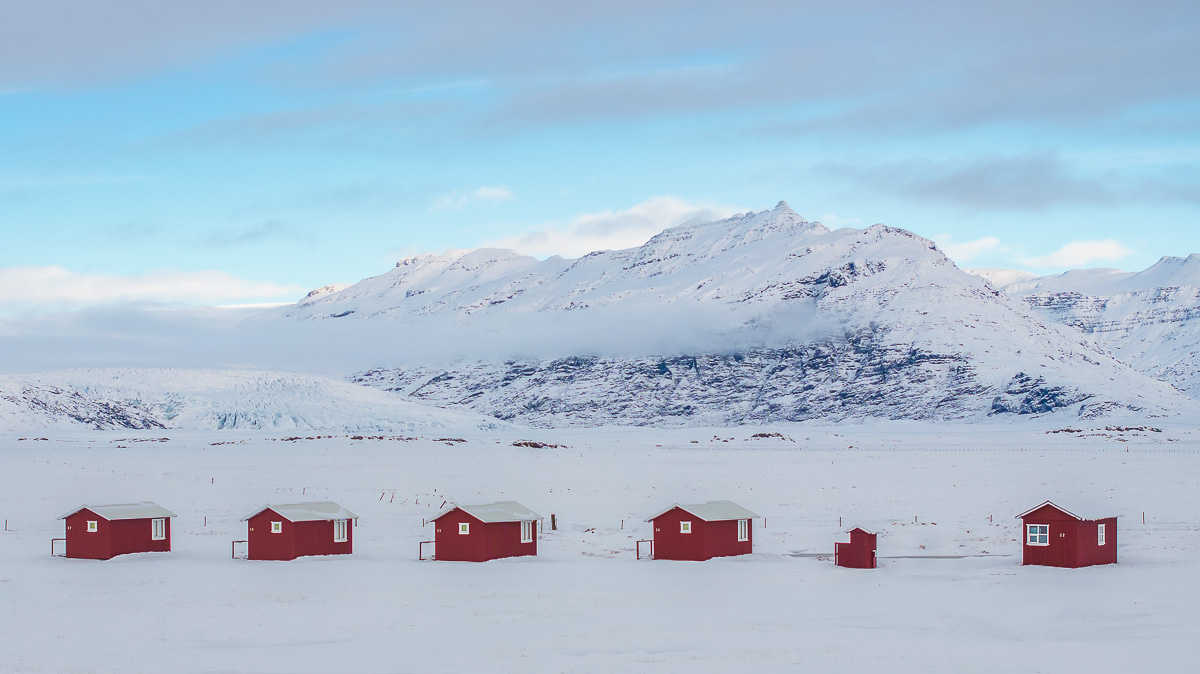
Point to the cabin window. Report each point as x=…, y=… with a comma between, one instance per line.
x=158, y=529
x=526, y=532
x=93, y=526
x=1037, y=534
x=685, y=527
x=464, y=528
x=339, y=531
x=1099, y=534
x=743, y=530
x=277, y=527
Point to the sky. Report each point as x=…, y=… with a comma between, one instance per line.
x=232, y=153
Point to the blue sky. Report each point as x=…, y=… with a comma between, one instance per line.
x=219, y=153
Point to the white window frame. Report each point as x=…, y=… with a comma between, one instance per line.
x=464, y=528
x=527, y=531
x=93, y=526
x=685, y=527
x=277, y=527
x=1037, y=534
x=1099, y=534
x=743, y=530
x=158, y=529
x=341, y=529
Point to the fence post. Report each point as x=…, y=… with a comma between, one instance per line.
x=553, y=522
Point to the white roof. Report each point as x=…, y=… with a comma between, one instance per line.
x=713, y=511
x=500, y=511
x=313, y=511
x=125, y=511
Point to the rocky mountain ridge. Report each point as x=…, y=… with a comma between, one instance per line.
x=1149, y=319
x=814, y=324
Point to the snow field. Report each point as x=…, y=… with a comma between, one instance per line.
x=585, y=604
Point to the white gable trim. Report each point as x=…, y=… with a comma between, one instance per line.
x=1052, y=504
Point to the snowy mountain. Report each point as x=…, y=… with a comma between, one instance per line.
x=1149, y=319
x=761, y=317
x=212, y=400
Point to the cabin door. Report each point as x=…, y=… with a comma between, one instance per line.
x=1062, y=545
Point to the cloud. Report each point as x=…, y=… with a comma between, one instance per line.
x=265, y=231
x=485, y=194
x=26, y=287
x=1023, y=182
x=59, y=44
x=969, y=250
x=611, y=230
x=870, y=67
x=1083, y=253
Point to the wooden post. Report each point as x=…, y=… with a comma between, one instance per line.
x=553, y=522
x=6, y=524
x=1143, y=520
x=839, y=522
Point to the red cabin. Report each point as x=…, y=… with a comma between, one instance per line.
x=479, y=533
x=290, y=530
x=704, y=531
x=1055, y=537
x=103, y=532
x=859, y=553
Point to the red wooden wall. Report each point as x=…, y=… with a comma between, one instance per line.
x=484, y=542
x=112, y=538
x=316, y=538
x=707, y=539
x=298, y=539
x=859, y=553
x=1073, y=542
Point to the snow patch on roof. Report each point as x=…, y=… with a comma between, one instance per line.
x=713, y=511
x=125, y=511
x=501, y=511
x=313, y=511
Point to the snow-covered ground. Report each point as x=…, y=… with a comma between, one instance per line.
x=585, y=604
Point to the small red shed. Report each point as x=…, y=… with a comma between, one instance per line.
x=859, y=553
x=703, y=531
x=1056, y=537
x=105, y=531
x=289, y=530
x=478, y=533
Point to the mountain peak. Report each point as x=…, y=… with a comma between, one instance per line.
x=782, y=206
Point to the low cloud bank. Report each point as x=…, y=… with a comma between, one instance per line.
x=245, y=338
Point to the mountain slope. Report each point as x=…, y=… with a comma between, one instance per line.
x=1149, y=319
x=761, y=317
x=212, y=400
